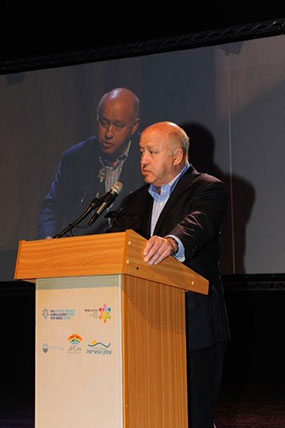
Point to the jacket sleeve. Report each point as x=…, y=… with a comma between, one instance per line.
x=203, y=222
x=54, y=206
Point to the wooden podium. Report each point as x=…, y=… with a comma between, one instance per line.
x=110, y=332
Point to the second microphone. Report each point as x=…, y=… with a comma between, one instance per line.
x=106, y=201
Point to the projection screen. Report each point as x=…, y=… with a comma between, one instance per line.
x=229, y=99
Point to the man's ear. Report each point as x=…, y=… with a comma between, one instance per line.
x=135, y=126
x=178, y=156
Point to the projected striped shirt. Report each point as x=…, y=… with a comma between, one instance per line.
x=110, y=173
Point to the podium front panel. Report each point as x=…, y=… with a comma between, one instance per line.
x=78, y=352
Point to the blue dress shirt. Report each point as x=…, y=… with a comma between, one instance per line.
x=159, y=201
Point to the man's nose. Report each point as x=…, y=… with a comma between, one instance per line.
x=109, y=131
x=144, y=159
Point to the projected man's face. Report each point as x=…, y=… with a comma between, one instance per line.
x=116, y=123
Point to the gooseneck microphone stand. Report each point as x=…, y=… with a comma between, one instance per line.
x=68, y=228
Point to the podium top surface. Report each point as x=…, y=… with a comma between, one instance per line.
x=104, y=254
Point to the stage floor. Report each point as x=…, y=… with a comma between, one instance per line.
x=240, y=406
x=251, y=406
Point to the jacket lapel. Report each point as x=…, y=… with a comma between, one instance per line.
x=147, y=212
x=179, y=189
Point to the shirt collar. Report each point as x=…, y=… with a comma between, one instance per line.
x=122, y=157
x=167, y=189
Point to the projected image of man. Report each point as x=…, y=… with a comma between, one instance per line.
x=90, y=168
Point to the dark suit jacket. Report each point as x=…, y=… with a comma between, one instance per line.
x=193, y=213
x=76, y=184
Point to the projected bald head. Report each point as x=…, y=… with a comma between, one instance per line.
x=117, y=121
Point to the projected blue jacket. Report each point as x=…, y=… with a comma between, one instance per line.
x=76, y=184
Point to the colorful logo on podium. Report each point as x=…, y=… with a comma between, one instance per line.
x=96, y=348
x=105, y=313
x=75, y=341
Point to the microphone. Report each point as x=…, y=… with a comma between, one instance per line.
x=102, y=174
x=106, y=201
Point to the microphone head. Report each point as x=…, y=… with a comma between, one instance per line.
x=117, y=187
x=102, y=174
x=106, y=201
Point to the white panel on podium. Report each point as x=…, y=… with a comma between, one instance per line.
x=78, y=352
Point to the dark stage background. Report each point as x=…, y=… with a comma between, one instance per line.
x=219, y=72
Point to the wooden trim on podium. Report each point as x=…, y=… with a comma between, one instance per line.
x=104, y=254
x=170, y=271
x=73, y=256
x=154, y=355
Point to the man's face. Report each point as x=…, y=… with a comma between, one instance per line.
x=157, y=158
x=116, y=125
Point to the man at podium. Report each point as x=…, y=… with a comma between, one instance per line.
x=180, y=212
